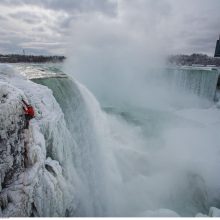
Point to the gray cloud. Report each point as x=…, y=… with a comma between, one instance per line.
x=26, y=17
x=196, y=24
x=187, y=26
x=106, y=6
x=27, y=22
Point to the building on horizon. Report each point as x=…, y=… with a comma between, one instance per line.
x=217, y=48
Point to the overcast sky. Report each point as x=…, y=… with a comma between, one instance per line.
x=45, y=26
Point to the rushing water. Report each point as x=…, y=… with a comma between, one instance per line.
x=132, y=158
x=201, y=82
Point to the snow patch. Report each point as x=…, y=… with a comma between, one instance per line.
x=159, y=213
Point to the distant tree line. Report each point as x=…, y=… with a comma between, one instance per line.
x=187, y=60
x=194, y=59
x=17, y=58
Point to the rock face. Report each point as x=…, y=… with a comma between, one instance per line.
x=12, y=140
x=11, y=135
x=34, y=175
x=17, y=149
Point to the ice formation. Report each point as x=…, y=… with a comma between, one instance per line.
x=35, y=181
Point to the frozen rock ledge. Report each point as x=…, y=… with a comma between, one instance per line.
x=34, y=180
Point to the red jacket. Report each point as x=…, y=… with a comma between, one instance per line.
x=29, y=111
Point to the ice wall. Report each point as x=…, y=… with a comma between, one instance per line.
x=37, y=178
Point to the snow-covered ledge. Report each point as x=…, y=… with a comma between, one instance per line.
x=32, y=184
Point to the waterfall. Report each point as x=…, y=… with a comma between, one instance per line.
x=200, y=82
x=120, y=167
x=82, y=112
x=111, y=162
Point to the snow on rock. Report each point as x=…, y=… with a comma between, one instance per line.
x=200, y=215
x=159, y=213
x=214, y=212
x=34, y=173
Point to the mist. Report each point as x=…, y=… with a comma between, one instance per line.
x=161, y=153
x=122, y=58
x=108, y=51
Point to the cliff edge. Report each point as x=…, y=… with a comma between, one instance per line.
x=32, y=170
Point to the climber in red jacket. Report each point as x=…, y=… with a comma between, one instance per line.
x=29, y=113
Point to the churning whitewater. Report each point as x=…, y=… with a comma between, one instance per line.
x=145, y=160
x=148, y=160
x=107, y=158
